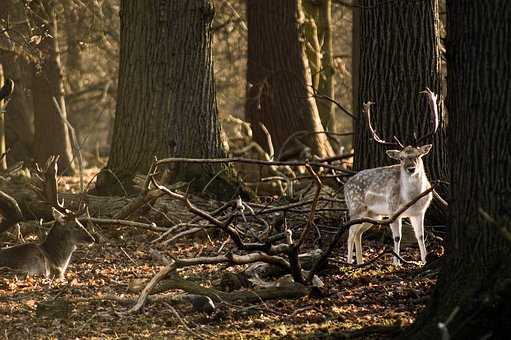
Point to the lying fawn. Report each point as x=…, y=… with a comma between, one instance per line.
x=51, y=257
x=380, y=192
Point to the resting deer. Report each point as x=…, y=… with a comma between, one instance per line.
x=380, y=192
x=52, y=256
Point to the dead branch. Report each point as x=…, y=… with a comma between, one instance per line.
x=249, y=161
x=310, y=220
x=111, y=221
x=255, y=296
x=143, y=199
x=229, y=259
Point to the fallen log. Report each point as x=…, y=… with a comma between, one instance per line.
x=293, y=291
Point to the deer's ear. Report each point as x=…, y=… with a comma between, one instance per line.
x=58, y=216
x=423, y=150
x=394, y=154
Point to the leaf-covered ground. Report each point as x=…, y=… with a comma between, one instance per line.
x=372, y=302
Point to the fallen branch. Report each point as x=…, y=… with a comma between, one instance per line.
x=250, y=161
x=181, y=263
x=146, y=226
x=257, y=295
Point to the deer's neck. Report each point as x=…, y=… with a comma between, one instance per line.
x=59, y=249
x=412, y=185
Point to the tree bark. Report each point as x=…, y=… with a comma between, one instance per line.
x=476, y=278
x=166, y=103
x=19, y=132
x=399, y=57
x=51, y=135
x=355, y=56
x=278, y=75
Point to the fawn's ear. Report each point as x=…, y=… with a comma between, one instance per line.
x=423, y=150
x=394, y=154
x=58, y=216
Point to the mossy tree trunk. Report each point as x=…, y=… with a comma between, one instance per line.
x=474, y=286
x=399, y=57
x=279, y=93
x=166, y=102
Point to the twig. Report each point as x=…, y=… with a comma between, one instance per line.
x=271, y=150
x=310, y=220
x=182, y=321
x=181, y=234
x=146, y=226
x=343, y=109
x=440, y=199
x=307, y=133
x=248, y=161
x=76, y=146
x=443, y=325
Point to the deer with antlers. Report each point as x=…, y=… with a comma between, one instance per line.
x=52, y=256
x=380, y=192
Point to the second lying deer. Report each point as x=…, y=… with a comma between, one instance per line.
x=51, y=257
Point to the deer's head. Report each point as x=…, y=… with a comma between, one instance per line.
x=68, y=227
x=409, y=156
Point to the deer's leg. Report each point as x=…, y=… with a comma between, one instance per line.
x=358, y=240
x=396, y=236
x=418, y=228
x=351, y=242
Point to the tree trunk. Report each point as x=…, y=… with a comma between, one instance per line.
x=355, y=57
x=278, y=76
x=19, y=133
x=321, y=12
x=51, y=134
x=166, y=95
x=475, y=283
x=399, y=57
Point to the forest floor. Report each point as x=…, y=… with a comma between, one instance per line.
x=372, y=302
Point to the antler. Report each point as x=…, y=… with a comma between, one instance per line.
x=432, y=100
x=367, y=111
x=44, y=183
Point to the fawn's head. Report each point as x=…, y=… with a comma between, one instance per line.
x=70, y=229
x=409, y=156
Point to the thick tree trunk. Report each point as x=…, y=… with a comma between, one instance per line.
x=278, y=75
x=355, y=57
x=51, y=135
x=475, y=283
x=166, y=95
x=399, y=57
x=19, y=132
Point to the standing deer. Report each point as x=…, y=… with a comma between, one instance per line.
x=380, y=192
